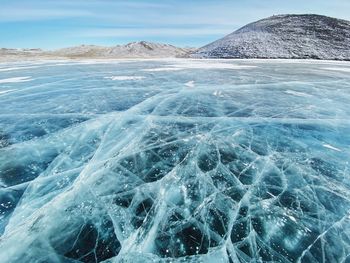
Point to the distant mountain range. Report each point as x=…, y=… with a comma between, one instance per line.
x=285, y=36
x=140, y=49
x=282, y=36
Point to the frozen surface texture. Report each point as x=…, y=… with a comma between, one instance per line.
x=175, y=161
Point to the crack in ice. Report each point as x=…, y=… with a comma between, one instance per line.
x=237, y=170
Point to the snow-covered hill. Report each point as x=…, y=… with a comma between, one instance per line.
x=285, y=36
x=140, y=49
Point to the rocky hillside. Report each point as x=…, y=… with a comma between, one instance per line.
x=132, y=50
x=141, y=49
x=285, y=36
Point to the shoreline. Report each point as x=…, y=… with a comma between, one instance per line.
x=16, y=59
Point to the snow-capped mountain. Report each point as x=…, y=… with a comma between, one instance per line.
x=285, y=36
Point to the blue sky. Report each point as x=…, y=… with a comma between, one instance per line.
x=51, y=24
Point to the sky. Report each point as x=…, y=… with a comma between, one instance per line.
x=52, y=24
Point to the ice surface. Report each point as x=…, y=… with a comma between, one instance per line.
x=183, y=65
x=250, y=164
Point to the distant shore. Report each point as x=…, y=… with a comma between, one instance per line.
x=19, y=59
x=133, y=50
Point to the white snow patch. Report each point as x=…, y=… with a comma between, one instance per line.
x=125, y=77
x=338, y=69
x=331, y=147
x=15, y=80
x=162, y=69
x=297, y=93
x=292, y=218
x=16, y=68
x=217, y=93
x=190, y=84
x=6, y=91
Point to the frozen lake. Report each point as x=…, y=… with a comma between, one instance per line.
x=175, y=161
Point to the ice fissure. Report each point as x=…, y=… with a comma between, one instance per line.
x=241, y=167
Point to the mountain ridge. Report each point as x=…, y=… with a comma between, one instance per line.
x=287, y=36
x=140, y=49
